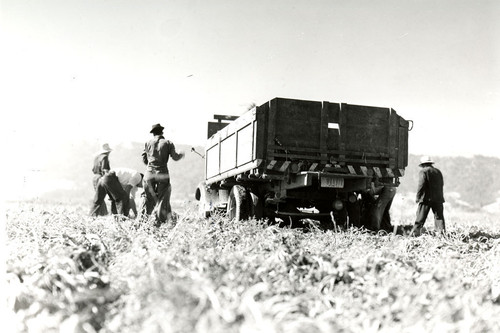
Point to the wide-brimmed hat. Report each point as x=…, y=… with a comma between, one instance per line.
x=426, y=160
x=105, y=149
x=156, y=128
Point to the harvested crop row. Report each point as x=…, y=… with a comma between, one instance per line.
x=67, y=270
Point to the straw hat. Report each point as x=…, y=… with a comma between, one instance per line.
x=105, y=149
x=426, y=160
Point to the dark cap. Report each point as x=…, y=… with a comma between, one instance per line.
x=156, y=128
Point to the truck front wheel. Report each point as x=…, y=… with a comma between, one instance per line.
x=238, y=204
x=204, y=206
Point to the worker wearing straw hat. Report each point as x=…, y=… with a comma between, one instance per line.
x=429, y=196
x=100, y=168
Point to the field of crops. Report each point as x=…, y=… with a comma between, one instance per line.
x=71, y=273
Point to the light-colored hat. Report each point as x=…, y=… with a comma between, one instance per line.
x=105, y=149
x=426, y=160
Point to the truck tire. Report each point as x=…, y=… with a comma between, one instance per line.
x=257, y=206
x=238, y=204
x=204, y=206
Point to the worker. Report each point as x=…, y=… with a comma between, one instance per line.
x=130, y=181
x=100, y=167
x=378, y=200
x=429, y=196
x=157, y=187
x=110, y=185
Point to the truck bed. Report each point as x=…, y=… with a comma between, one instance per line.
x=290, y=135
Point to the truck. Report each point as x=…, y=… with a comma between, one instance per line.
x=290, y=160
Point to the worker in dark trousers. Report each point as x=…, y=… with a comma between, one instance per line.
x=157, y=187
x=100, y=167
x=110, y=185
x=429, y=196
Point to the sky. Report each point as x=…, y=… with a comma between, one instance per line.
x=107, y=70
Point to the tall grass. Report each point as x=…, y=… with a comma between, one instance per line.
x=81, y=274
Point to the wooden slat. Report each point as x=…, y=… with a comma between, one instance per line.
x=271, y=122
x=392, y=140
x=315, y=150
x=261, y=131
x=364, y=161
x=296, y=156
x=384, y=161
x=403, y=145
x=214, y=128
x=323, y=129
x=224, y=117
x=343, y=127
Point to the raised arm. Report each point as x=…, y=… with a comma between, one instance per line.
x=174, y=154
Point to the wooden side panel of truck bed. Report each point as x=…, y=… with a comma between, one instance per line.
x=232, y=149
x=337, y=133
x=308, y=131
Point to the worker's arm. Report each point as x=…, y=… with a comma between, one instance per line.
x=175, y=155
x=420, y=186
x=128, y=188
x=145, y=156
x=105, y=165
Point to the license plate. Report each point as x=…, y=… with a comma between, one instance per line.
x=335, y=182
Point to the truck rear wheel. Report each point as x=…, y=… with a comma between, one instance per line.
x=238, y=204
x=257, y=206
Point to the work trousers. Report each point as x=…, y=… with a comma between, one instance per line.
x=378, y=214
x=102, y=210
x=157, y=189
x=131, y=202
x=423, y=211
x=110, y=185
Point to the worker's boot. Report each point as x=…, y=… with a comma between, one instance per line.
x=439, y=227
x=416, y=231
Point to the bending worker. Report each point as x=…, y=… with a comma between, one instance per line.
x=130, y=181
x=157, y=185
x=110, y=185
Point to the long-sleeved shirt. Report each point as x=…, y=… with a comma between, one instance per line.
x=128, y=178
x=101, y=164
x=430, y=185
x=157, y=152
